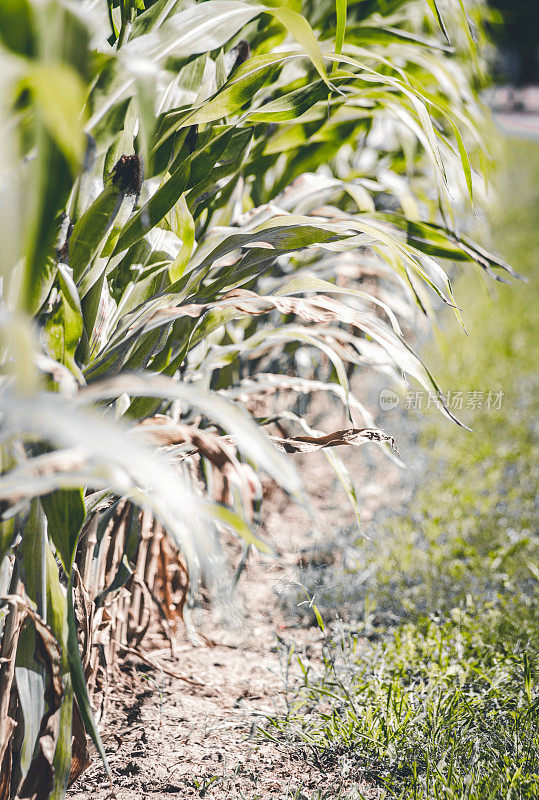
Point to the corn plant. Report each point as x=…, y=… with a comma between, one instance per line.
x=202, y=203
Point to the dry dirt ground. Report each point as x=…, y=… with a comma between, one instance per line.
x=198, y=736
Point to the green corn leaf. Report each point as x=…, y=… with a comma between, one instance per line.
x=16, y=31
x=49, y=197
x=29, y=673
x=9, y=458
x=183, y=225
x=203, y=161
x=60, y=96
x=341, y=25
x=34, y=566
x=79, y=680
x=292, y=105
x=299, y=27
x=63, y=329
x=91, y=231
x=433, y=5
x=90, y=305
x=31, y=684
x=229, y=165
x=155, y=16
x=8, y=532
x=371, y=32
x=57, y=617
x=65, y=514
x=246, y=81
x=62, y=753
x=146, y=86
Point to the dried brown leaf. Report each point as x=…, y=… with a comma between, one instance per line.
x=169, y=432
x=219, y=450
x=5, y=763
x=317, y=309
x=350, y=436
x=39, y=780
x=80, y=757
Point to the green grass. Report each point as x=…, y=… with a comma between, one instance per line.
x=445, y=704
x=437, y=710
